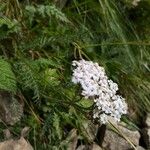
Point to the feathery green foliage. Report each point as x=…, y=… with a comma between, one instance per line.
x=46, y=11
x=7, y=79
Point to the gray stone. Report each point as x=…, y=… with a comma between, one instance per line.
x=7, y=134
x=10, y=109
x=89, y=130
x=94, y=146
x=113, y=141
x=147, y=120
x=60, y=3
x=12, y=144
x=140, y=148
x=133, y=136
x=72, y=139
x=82, y=147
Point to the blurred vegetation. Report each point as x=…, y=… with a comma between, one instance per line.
x=39, y=40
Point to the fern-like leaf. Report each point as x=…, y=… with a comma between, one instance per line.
x=7, y=79
x=8, y=26
x=46, y=10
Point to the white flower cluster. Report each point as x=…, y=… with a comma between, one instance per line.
x=95, y=85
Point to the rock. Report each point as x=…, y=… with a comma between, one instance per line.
x=60, y=3
x=10, y=109
x=11, y=144
x=89, y=130
x=25, y=131
x=94, y=146
x=147, y=120
x=7, y=134
x=146, y=137
x=133, y=136
x=140, y=148
x=113, y=141
x=72, y=139
x=82, y=147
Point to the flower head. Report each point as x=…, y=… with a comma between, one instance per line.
x=95, y=85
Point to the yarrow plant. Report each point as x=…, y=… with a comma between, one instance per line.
x=97, y=87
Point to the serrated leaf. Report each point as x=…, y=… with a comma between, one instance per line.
x=86, y=103
x=51, y=77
